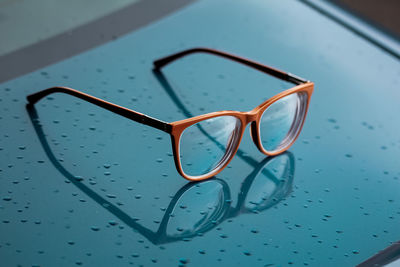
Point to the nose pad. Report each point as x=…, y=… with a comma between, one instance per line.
x=255, y=135
x=254, y=132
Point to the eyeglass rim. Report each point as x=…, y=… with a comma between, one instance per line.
x=256, y=133
x=245, y=118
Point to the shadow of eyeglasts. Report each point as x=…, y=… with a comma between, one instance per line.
x=197, y=207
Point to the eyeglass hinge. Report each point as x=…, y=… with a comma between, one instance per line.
x=295, y=79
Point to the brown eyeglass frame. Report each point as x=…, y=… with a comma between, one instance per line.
x=176, y=128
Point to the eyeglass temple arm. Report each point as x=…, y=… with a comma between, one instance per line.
x=125, y=112
x=158, y=64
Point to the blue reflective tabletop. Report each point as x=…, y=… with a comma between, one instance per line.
x=82, y=186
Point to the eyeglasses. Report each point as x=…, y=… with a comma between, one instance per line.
x=204, y=145
x=270, y=181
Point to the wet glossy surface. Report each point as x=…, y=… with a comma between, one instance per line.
x=79, y=185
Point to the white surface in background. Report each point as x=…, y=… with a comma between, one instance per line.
x=394, y=264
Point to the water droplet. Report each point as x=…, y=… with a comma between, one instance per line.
x=107, y=166
x=79, y=178
x=112, y=222
x=183, y=261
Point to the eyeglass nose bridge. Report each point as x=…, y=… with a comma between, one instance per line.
x=252, y=117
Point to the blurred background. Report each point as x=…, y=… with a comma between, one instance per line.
x=42, y=32
x=382, y=14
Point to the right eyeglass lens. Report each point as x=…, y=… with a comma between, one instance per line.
x=281, y=122
x=206, y=146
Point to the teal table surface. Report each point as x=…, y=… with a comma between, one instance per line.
x=82, y=186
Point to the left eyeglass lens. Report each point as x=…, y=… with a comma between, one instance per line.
x=207, y=145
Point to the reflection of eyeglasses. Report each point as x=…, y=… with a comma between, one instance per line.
x=205, y=144
x=208, y=203
x=197, y=208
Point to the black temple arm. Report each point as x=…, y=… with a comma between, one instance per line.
x=125, y=112
x=158, y=64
